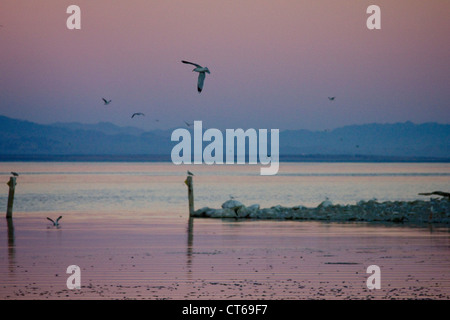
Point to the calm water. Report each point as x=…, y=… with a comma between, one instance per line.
x=156, y=188
x=126, y=225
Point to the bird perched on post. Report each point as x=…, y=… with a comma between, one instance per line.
x=201, y=74
x=190, y=173
x=15, y=174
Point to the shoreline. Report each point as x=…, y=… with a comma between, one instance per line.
x=165, y=158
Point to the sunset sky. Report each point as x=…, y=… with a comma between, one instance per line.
x=273, y=63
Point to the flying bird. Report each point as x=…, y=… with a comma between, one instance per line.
x=188, y=124
x=106, y=102
x=331, y=98
x=201, y=74
x=55, y=223
x=137, y=114
x=15, y=174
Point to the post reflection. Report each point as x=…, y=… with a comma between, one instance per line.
x=11, y=246
x=190, y=242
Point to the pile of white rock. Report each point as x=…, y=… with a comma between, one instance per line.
x=417, y=211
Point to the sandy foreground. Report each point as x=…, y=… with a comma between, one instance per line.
x=140, y=257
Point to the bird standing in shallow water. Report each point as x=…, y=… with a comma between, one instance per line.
x=55, y=223
x=201, y=74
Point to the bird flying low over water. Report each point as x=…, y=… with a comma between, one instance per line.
x=15, y=174
x=106, y=102
x=55, y=223
x=201, y=74
x=137, y=114
x=331, y=98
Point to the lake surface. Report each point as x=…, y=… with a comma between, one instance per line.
x=156, y=188
x=126, y=226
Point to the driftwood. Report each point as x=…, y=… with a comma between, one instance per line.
x=437, y=193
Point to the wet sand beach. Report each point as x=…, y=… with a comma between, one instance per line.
x=134, y=256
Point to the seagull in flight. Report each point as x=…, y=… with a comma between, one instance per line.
x=188, y=124
x=137, y=114
x=201, y=74
x=55, y=223
x=15, y=174
x=331, y=98
x=106, y=102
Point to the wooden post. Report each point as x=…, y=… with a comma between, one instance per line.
x=190, y=185
x=12, y=186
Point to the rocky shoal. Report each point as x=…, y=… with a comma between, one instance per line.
x=417, y=211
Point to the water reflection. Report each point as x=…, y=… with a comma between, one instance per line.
x=11, y=246
x=190, y=243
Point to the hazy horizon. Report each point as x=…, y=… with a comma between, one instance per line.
x=273, y=65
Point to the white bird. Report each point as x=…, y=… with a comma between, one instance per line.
x=137, y=114
x=55, y=223
x=106, y=101
x=331, y=98
x=201, y=74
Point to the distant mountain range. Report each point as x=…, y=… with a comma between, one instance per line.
x=399, y=141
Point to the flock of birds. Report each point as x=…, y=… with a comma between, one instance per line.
x=202, y=71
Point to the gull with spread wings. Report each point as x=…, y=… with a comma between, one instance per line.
x=55, y=222
x=201, y=74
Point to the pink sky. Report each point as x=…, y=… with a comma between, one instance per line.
x=273, y=63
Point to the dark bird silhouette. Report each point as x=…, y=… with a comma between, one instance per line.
x=437, y=193
x=331, y=98
x=188, y=124
x=55, y=223
x=137, y=114
x=106, y=102
x=190, y=173
x=15, y=174
x=201, y=74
